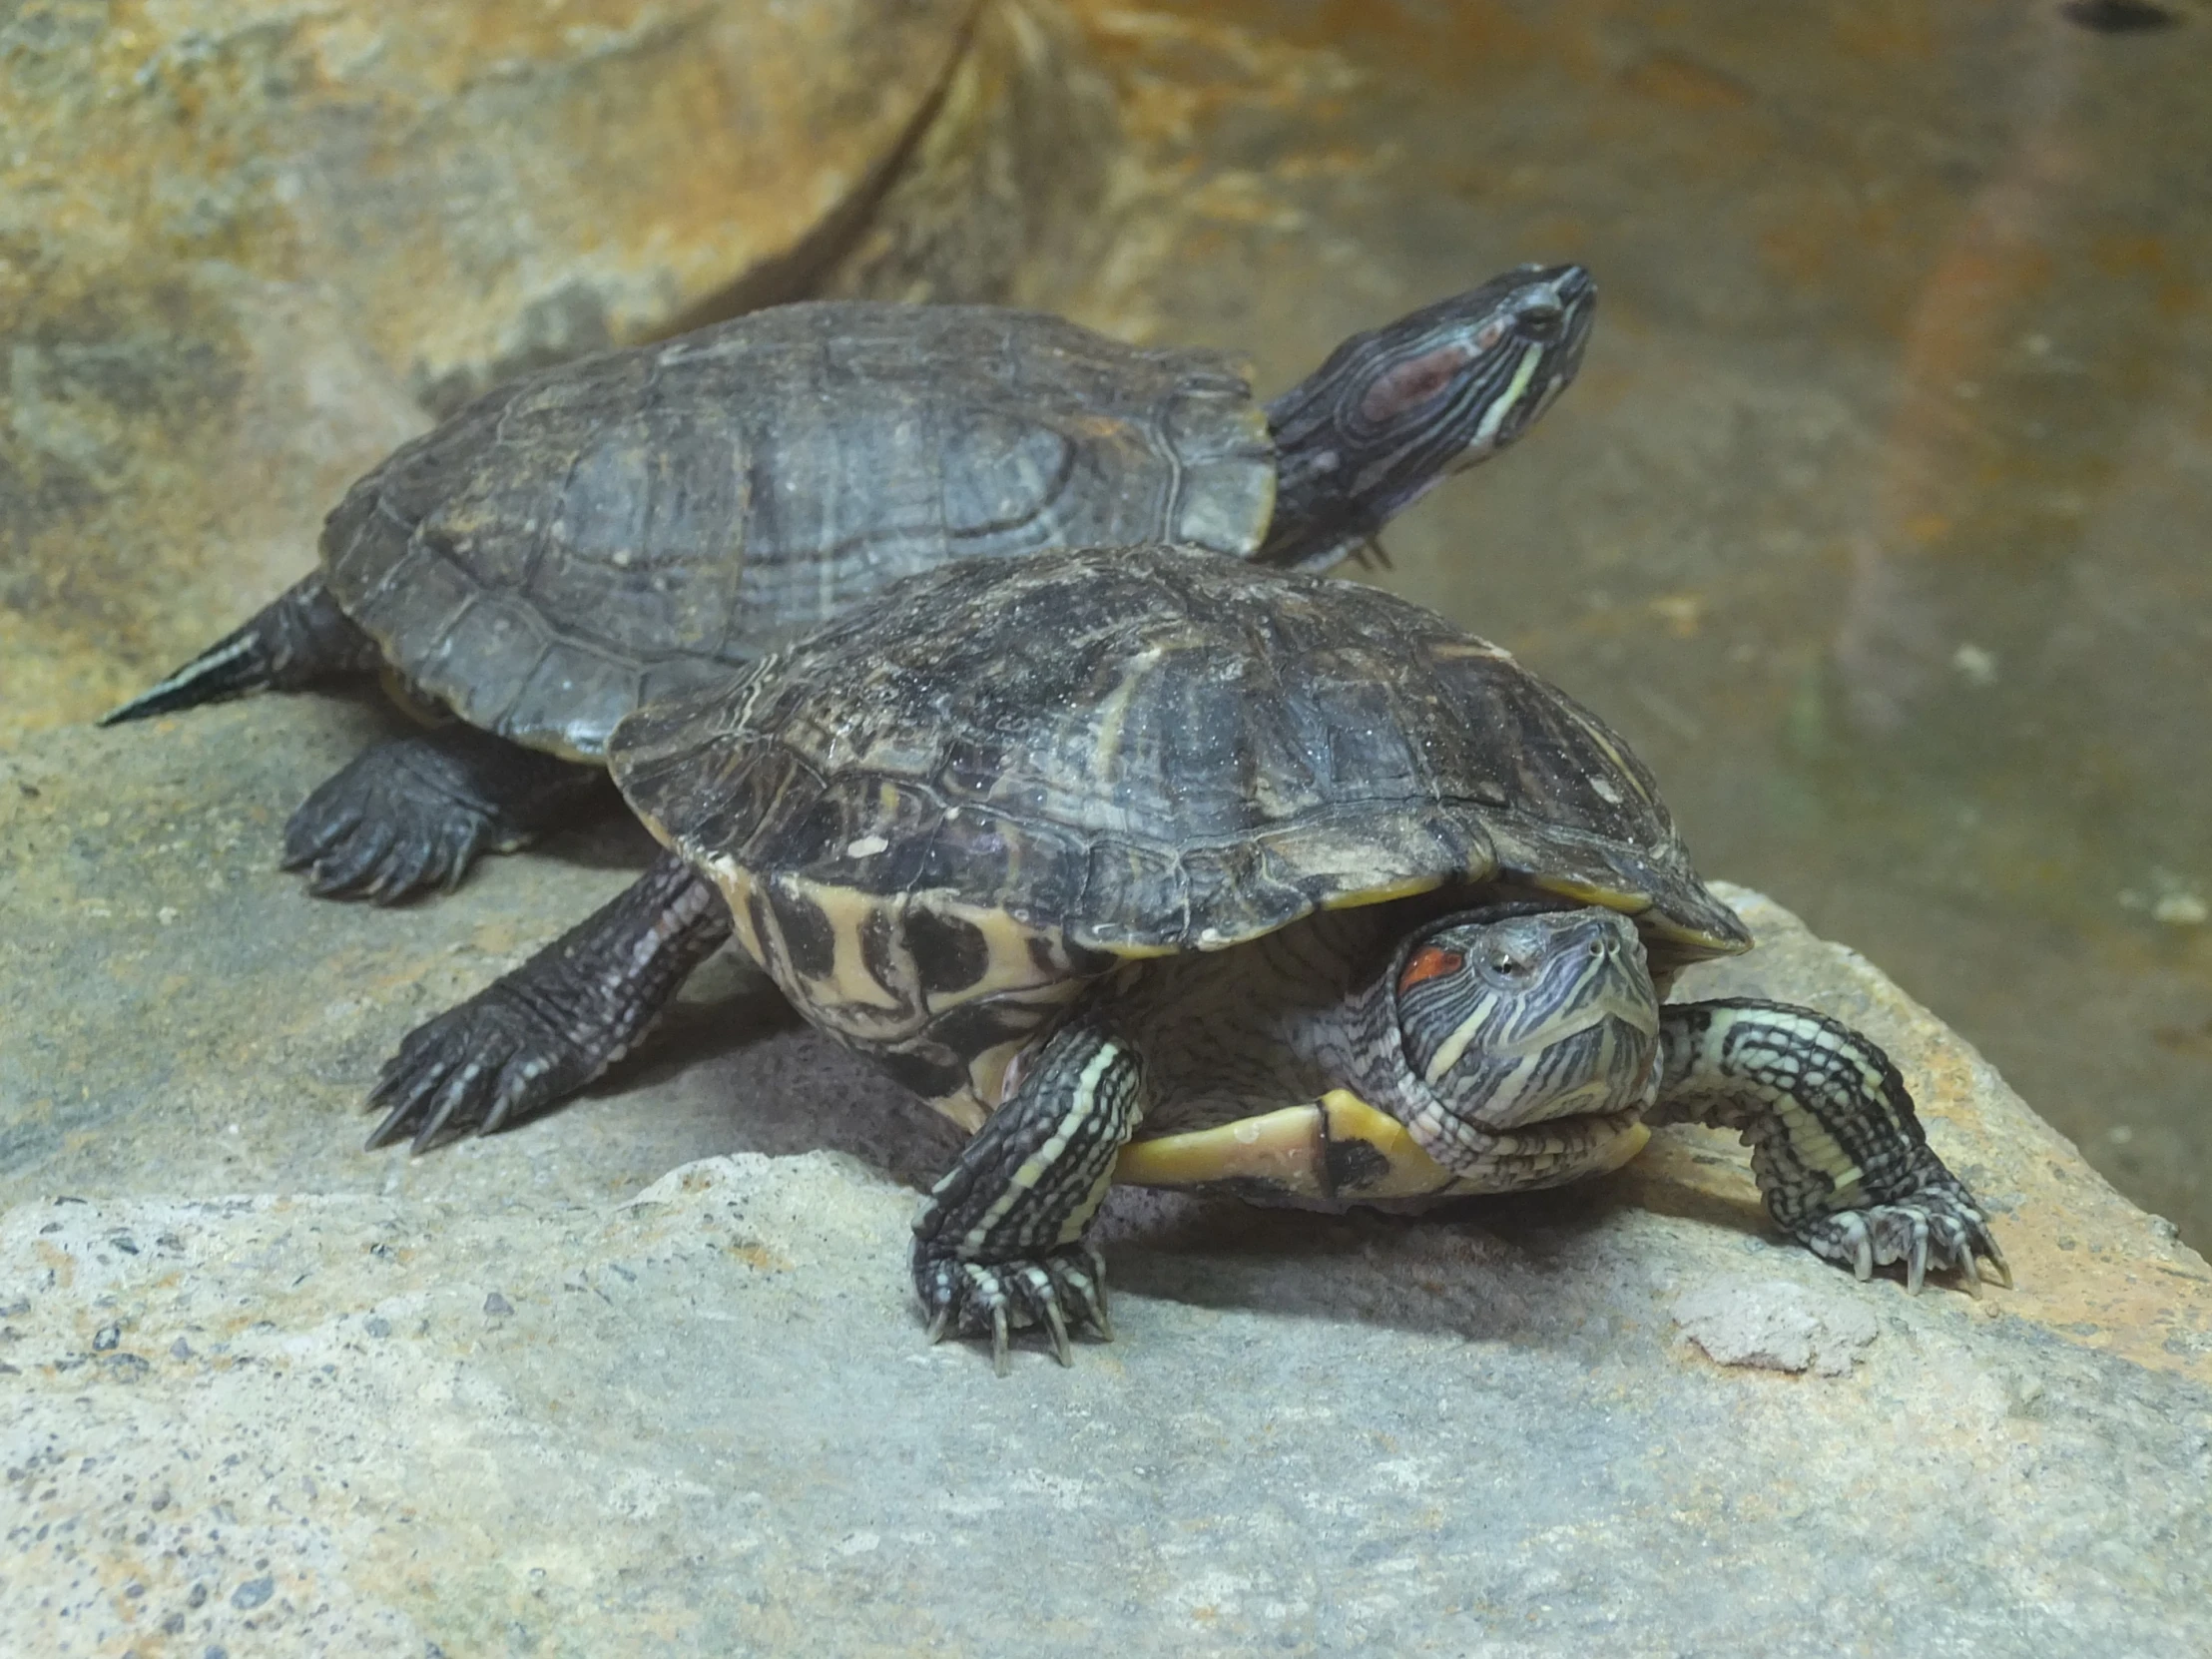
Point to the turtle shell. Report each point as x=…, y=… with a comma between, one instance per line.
x=631, y=524
x=935, y=819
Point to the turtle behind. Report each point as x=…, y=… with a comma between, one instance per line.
x=632, y=524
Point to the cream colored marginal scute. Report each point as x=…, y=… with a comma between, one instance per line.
x=1621, y=899
x=1408, y=887
x=1009, y=964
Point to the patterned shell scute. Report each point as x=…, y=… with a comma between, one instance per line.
x=1143, y=750
x=629, y=526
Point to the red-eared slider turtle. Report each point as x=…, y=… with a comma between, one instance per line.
x=1143, y=859
x=633, y=524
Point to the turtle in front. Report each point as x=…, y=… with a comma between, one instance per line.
x=1144, y=864
x=634, y=525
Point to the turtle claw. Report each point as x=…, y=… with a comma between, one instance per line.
x=1062, y=1290
x=1937, y=1226
x=1058, y=1326
x=1970, y=1276
x=449, y=1100
x=490, y=1061
x=361, y=837
x=1996, y=1258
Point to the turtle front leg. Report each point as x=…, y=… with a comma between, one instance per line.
x=549, y=1027
x=999, y=1242
x=415, y=813
x=1836, y=1146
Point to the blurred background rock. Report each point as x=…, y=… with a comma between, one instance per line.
x=249, y=245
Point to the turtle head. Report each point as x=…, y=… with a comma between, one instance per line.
x=1514, y=1017
x=1393, y=413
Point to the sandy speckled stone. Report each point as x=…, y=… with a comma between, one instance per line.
x=646, y=1374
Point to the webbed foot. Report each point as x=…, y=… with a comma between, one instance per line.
x=548, y=1027
x=1062, y=1291
x=1937, y=1226
x=413, y=815
x=493, y=1061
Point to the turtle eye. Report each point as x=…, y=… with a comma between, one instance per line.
x=1506, y=963
x=1541, y=320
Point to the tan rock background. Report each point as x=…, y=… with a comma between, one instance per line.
x=249, y=245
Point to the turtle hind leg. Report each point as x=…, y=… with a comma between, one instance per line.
x=1837, y=1147
x=998, y=1245
x=544, y=1030
x=298, y=639
x=413, y=814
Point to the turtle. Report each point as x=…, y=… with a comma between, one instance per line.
x=635, y=523
x=1144, y=864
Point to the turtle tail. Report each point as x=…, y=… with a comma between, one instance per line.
x=300, y=638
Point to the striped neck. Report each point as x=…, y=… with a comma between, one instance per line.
x=1393, y=413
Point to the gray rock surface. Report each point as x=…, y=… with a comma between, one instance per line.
x=551, y=1393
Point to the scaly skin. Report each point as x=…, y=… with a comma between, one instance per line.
x=999, y=1242
x=413, y=814
x=549, y=1027
x=1837, y=1148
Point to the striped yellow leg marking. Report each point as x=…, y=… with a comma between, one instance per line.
x=1082, y=1105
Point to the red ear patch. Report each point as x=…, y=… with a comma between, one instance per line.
x=1413, y=382
x=1431, y=962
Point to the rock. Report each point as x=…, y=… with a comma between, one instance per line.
x=1000, y=200
x=648, y=1370
x=479, y=193
x=249, y=245
x=1774, y=1324
x=178, y=1008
